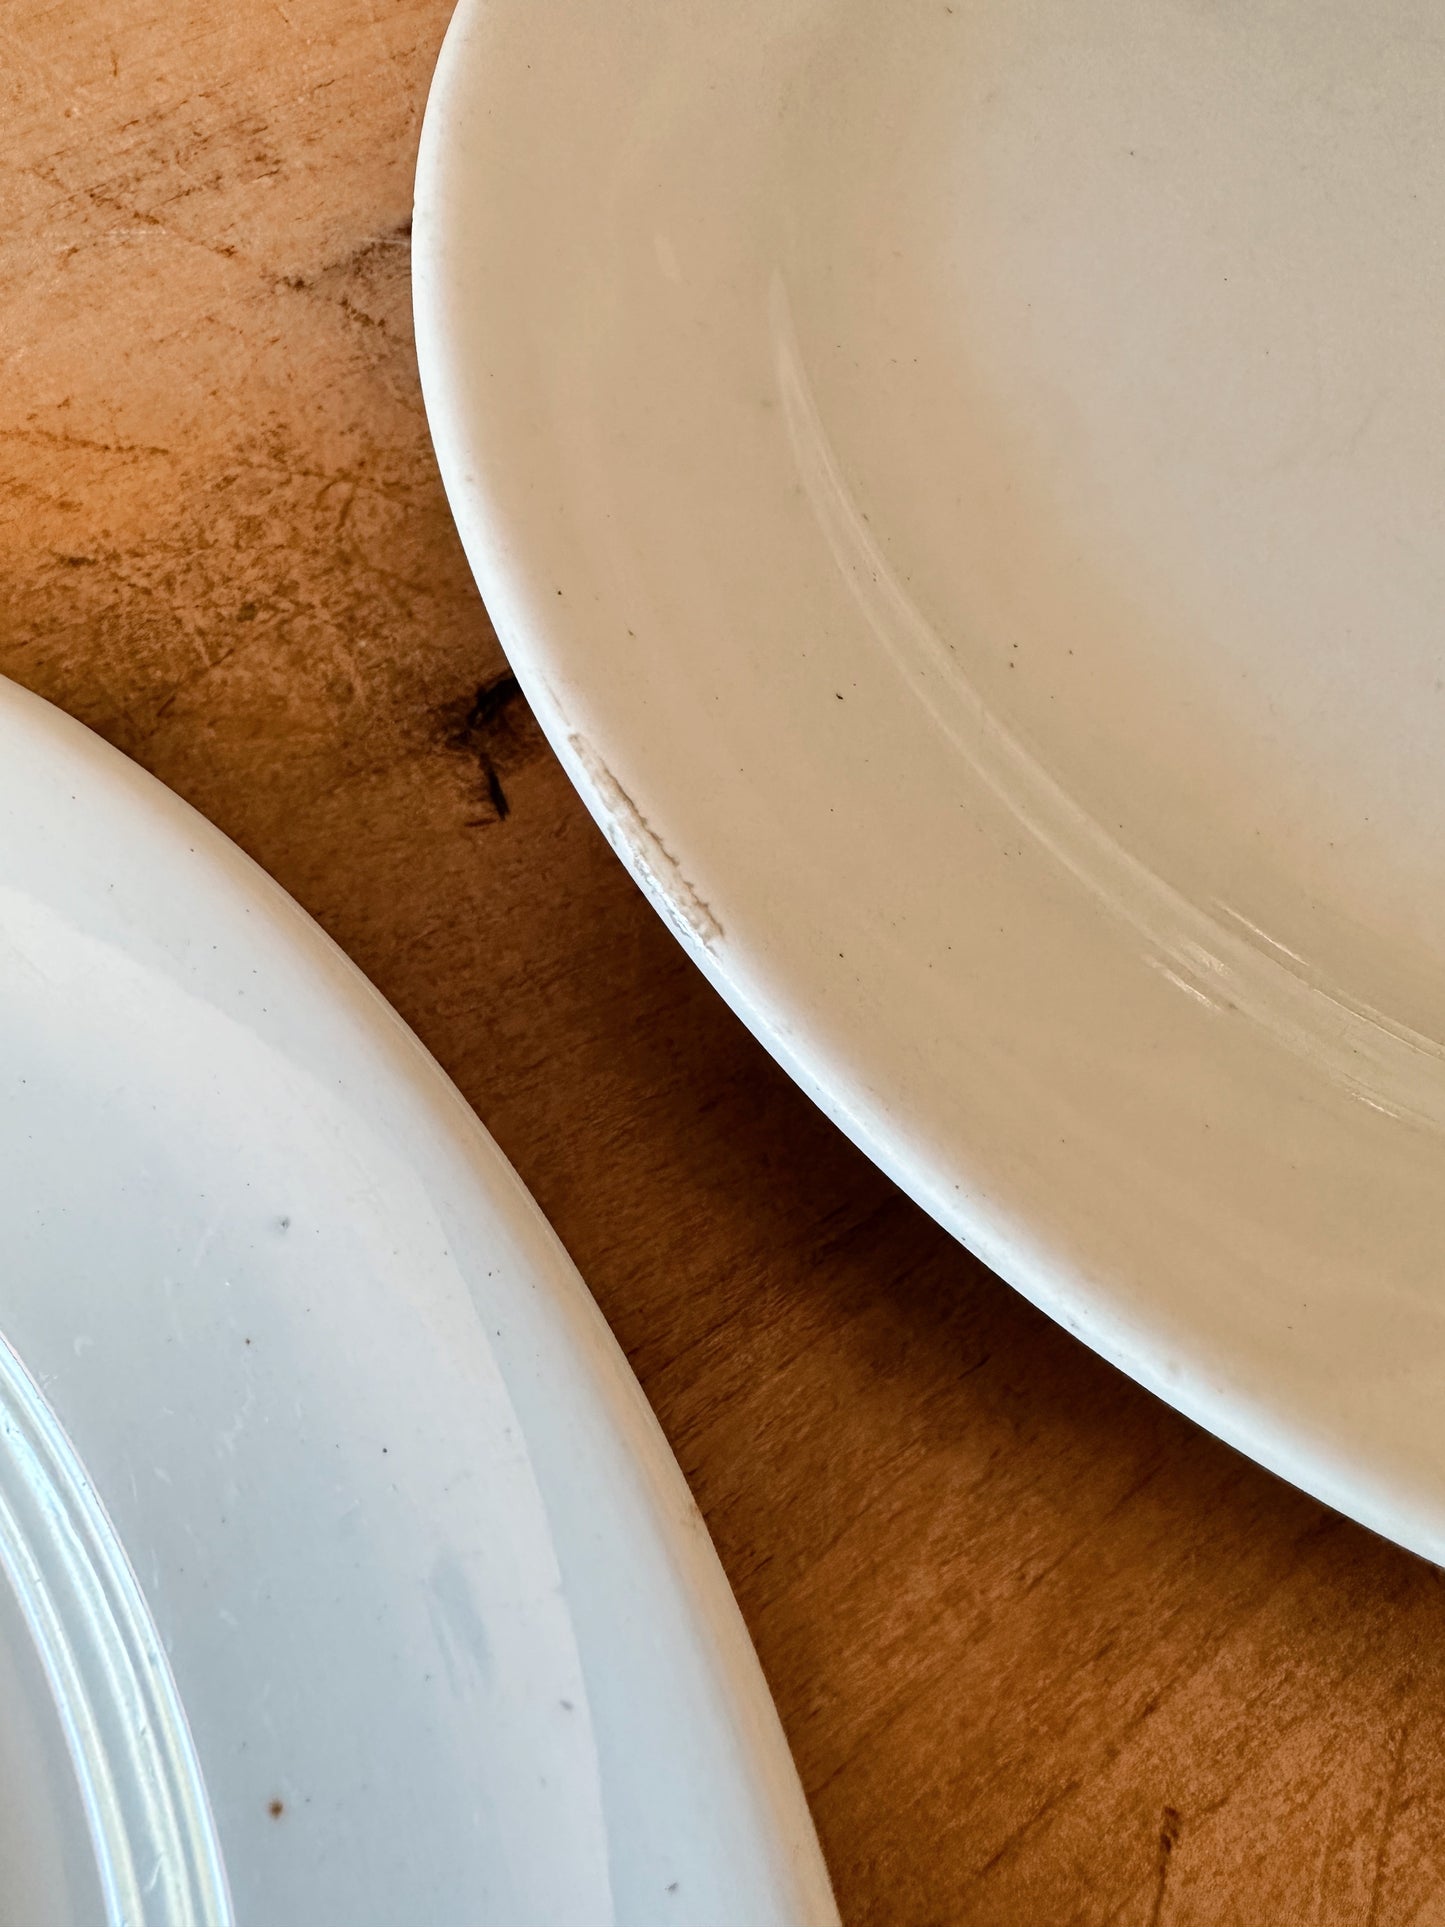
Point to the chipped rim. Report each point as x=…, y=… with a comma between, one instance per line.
x=647, y=857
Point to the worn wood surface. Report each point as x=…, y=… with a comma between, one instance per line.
x=1045, y=1652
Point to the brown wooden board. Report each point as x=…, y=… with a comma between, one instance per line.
x=1046, y=1653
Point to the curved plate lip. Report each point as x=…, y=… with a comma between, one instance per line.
x=564, y=1353
x=499, y=531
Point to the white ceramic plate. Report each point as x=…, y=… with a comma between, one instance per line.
x=350, y=1578
x=961, y=484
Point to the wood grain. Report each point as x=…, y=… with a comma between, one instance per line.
x=1046, y=1653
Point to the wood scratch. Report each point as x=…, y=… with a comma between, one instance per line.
x=1319, y=1909
x=188, y=683
x=1030, y=1825
x=1168, y=1839
x=53, y=438
x=1387, y=1823
x=1132, y=1491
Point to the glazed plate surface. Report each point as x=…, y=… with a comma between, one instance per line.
x=345, y=1576
x=963, y=486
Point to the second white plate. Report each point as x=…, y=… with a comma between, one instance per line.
x=345, y=1576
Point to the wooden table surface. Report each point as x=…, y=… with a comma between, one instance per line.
x=1046, y=1653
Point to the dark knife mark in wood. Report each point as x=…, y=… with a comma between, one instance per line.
x=1168, y=1839
x=495, y=728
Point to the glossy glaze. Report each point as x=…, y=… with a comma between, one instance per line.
x=364, y=1583
x=961, y=490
